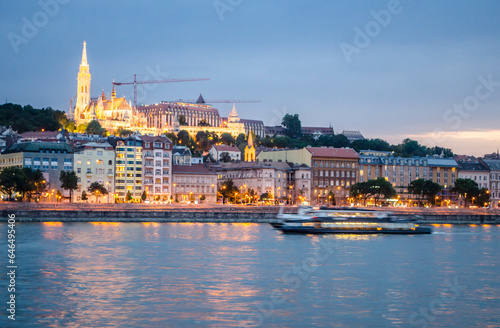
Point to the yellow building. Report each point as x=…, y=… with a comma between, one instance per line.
x=250, y=149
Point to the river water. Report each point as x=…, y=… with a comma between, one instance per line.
x=239, y=275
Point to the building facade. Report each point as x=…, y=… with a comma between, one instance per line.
x=494, y=180
x=233, y=152
x=475, y=171
x=95, y=162
x=334, y=170
x=49, y=157
x=157, y=170
x=283, y=181
x=128, y=171
x=194, y=184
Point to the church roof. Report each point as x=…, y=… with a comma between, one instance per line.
x=200, y=100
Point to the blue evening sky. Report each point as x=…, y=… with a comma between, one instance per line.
x=402, y=79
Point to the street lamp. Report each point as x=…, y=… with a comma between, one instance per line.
x=107, y=182
x=175, y=195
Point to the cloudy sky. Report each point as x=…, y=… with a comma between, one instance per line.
x=391, y=69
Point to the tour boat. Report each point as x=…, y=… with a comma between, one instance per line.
x=347, y=220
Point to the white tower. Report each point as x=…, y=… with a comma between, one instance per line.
x=83, y=91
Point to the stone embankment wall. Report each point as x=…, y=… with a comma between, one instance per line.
x=200, y=213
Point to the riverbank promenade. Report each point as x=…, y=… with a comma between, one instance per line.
x=92, y=212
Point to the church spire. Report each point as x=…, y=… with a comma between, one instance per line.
x=250, y=139
x=233, y=115
x=84, y=55
x=113, y=93
x=83, y=86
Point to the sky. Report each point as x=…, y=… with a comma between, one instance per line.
x=428, y=70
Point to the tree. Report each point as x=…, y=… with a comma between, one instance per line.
x=227, y=139
x=465, y=188
x=144, y=196
x=94, y=127
x=183, y=138
x=361, y=190
x=84, y=195
x=373, y=188
x=292, y=125
x=225, y=157
x=97, y=188
x=27, y=118
x=203, y=122
x=58, y=195
x=265, y=196
x=33, y=183
x=128, y=198
x=12, y=180
x=69, y=181
x=417, y=187
x=331, y=198
x=172, y=137
x=123, y=132
x=484, y=197
x=182, y=120
x=431, y=189
x=228, y=190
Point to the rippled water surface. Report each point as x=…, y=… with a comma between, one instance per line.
x=232, y=275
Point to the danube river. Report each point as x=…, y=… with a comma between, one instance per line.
x=238, y=275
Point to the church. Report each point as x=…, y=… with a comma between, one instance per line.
x=113, y=113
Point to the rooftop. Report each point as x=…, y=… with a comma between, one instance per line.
x=333, y=152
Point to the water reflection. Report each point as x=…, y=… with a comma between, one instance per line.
x=216, y=275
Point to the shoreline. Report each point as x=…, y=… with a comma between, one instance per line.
x=66, y=212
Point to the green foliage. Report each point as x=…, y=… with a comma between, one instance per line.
x=144, y=195
x=265, y=196
x=69, y=181
x=182, y=120
x=97, y=189
x=27, y=118
x=331, y=198
x=424, y=189
x=225, y=157
x=227, y=139
x=94, y=127
x=12, y=180
x=84, y=195
x=228, y=190
x=172, y=136
x=484, y=197
x=379, y=188
x=128, y=197
x=466, y=188
x=370, y=144
x=203, y=122
x=58, y=196
x=123, y=132
x=34, y=183
x=292, y=125
x=183, y=138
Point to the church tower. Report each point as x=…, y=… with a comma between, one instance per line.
x=83, y=91
x=250, y=149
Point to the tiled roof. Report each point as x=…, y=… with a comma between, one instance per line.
x=493, y=164
x=226, y=148
x=40, y=135
x=191, y=169
x=449, y=162
x=333, y=152
x=467, y=166
x=36, y=147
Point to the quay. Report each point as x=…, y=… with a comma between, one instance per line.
x=85, y=212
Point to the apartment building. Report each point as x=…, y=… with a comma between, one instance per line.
x=157, y=162
x=95, y=162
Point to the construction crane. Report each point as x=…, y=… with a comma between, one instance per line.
x=135, y=83
x=201, y=100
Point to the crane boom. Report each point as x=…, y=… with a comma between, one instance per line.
x=135, y=83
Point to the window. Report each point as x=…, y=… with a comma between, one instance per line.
x=45, y=164
x=68, y=164
x=99, y=161
x=78, y=170
x=110, y=162
x=99, y=153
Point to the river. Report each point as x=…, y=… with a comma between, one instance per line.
x=249, y=275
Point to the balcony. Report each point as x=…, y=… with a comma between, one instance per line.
x=89, y=173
